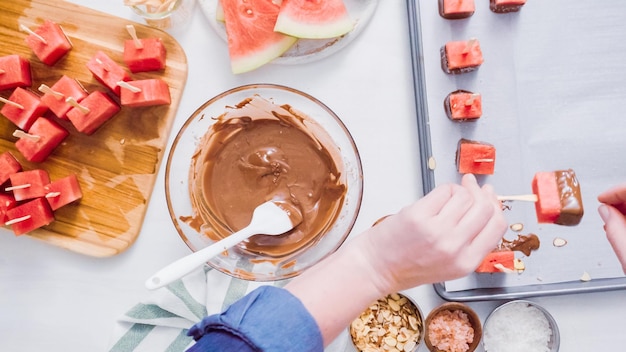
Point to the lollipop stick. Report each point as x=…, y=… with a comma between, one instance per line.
x=45, y=89
x=469, y=45
x=12, y=103
x=29, y=31
x=85, y=110
x=22, y=134
x=129, y=86
x=133, y=34
x=16, y=220
x=522, y=197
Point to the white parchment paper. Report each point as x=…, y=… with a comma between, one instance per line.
x=553, y=84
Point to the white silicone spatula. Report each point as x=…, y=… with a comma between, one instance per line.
x=269, y=218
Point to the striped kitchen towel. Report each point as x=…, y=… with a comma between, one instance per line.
x=161, y=320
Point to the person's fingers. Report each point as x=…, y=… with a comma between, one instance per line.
x=489, y=237
x=433, y=201
x=615, y=227
x=481, y=211
x=455, y=209
x=615, y=196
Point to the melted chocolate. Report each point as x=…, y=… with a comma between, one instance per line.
x=571, y=201
x=259, y=151
x=523, y=243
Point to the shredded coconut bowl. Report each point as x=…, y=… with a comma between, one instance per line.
x=520, y=326
x=452, y=327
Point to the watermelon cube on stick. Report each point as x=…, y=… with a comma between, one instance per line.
x=42, y=138
x=56, y=97
x=92, y=112
x=313, y=19
x=107, y=71
x=147, y=92
x=14, y=72
x=142, y=55
x=29, y=216
x=462, y=105
x=252, y=41
x=497, y=262
x=456, y=9
x=48, y=42
x=29, y=184
x=63, y=191
x=474, y=157
x=8, y=166
x=7, y=201
x=23, y=107
x=559, y=199
x=461, y=56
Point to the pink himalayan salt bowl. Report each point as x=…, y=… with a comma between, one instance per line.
x=452, y=306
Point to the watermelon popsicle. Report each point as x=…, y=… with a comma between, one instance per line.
x=559, y=199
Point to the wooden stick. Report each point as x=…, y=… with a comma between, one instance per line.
x=133, y=34
x=29, y=31
x=470, y=101
x=22, y=134
x=469, y=45
x=85, y=110
x=47, y=90
x=16, y=220
x=104, y=67
x=129, y=86
x=486, y=160
x=26, y=185
x=522, y=197
x=53, y=194
x=12, y=103
x=2, y=71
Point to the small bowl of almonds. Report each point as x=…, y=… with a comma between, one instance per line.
x=392, y=323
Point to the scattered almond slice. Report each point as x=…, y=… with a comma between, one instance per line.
x=585, y=277
x=559, y=242
x=517, y=227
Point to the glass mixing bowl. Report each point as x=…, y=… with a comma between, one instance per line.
x=237, y=261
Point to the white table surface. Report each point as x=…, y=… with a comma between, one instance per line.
x=57, y=300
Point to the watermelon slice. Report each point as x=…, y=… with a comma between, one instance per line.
x=252, y=41
x=314, y=19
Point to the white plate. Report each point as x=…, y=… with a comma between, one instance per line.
x=307, y=50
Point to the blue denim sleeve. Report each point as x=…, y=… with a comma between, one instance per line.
x=268, y=319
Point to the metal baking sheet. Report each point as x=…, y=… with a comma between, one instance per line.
x=552, y=85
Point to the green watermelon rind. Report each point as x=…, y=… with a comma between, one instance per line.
x=314, y=20
x=259, y=58
x=298, y=29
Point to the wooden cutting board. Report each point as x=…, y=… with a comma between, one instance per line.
x=117, y=165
